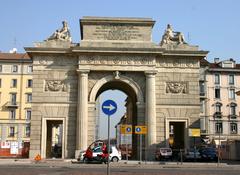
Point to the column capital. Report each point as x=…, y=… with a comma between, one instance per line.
x=83, y=71
x=151, y=73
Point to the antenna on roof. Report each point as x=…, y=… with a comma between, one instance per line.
x=14, y=49
x=188, y=37
x=15, y=42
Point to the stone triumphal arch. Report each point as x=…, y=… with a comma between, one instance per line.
x=161, y=81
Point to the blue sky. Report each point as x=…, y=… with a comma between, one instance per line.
x=214, y=25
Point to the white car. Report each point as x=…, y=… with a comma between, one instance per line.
x=115, y=154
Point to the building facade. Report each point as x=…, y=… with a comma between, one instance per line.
x=220, y=104
x=15, y=103
x=160, y=80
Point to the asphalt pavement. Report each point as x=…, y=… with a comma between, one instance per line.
x=124, y=163
x=72, y=167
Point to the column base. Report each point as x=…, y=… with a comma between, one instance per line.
x=77, y=153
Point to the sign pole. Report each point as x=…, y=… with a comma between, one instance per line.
x=140, y=130
x=109, y=107
x=126, y=147
x=140, y=148
x=108, y=162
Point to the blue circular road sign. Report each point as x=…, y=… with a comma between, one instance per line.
x=128, y=129
x=138, y=129
x=109, y=107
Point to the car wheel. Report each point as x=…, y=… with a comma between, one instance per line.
x=85, y=160
x=114, y=159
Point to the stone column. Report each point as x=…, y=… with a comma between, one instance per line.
x=82, y=113
x=151, y=107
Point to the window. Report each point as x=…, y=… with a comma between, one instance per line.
x=202, y=88
x=232, y=94
x=27, y=131
x=12, y=114
x=29, y=83
x=218, y=127
x=217, y=79
x=233, y=128
x=202, y=107
x=29, y=98
x=218, y=113
x=233, y=111
x=0, y=68
x=14, y=83
x=11, y=131
x=30, y=69
x=15, y=68
x=218, y=107
x=231, y=80
x=217, y=93
x=28, y=114
x=13, y=98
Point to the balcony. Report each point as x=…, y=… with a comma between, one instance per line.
x=217, y=115
x=232, y=116
x=12, y=104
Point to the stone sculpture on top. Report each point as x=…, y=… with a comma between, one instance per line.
x=62, y=34
x=172, y=37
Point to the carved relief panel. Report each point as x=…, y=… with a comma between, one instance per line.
x=55, y=86
x=175, y=87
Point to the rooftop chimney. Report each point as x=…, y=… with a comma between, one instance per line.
x=216, y=60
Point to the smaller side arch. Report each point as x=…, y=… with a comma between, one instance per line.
x=127, y=80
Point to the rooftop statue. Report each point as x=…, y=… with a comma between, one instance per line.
x=170, y=36
x=62, y=34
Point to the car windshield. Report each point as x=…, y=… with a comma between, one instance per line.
x=97, y=149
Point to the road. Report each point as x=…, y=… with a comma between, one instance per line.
x=117, y=169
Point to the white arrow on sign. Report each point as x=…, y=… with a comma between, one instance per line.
x=110, y=107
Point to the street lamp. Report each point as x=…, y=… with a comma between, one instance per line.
x=220, y=130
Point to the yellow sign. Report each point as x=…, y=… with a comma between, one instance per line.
x=140, y=129
x=126, y=129
x=194, y=132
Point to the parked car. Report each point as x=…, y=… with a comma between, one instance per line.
x=115, y=154
x=192, y=155
x=209, y=154
x=163, y=154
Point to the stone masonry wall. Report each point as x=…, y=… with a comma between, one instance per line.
x=52, y=102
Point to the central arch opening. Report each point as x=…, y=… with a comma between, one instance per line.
x=126, y=99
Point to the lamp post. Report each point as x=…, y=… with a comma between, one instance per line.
x=220, y=129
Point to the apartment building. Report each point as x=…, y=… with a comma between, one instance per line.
x=15, y=104
x=220, y=106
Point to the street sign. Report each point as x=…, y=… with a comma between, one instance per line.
x=126, y=129
x=109, y=107
x=140, y=129
x=194, y=132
